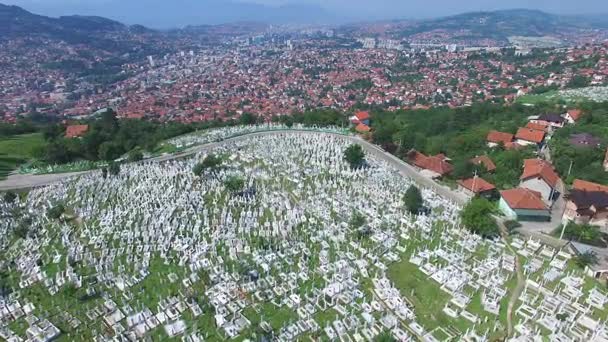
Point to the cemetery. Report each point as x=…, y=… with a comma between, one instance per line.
x=280, y=238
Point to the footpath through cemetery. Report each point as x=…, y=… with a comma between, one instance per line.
x=274, y=237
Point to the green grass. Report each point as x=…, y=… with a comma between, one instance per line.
x=17, y=150
x=426, y=296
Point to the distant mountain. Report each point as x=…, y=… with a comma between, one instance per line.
x=181, y=13
x=16, y=21
x=502, y=24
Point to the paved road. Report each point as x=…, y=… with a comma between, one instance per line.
x=15, y=182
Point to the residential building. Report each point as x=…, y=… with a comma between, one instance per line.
x=76, y=131
x=477, y=186
x=539, y=176
x=552, y=119
x=431, y=166
x=526, y=136
x=573, y=115
x=486, y=162
x=524, y=205
x=587, y=207
x=495, y=138
x=362, y=128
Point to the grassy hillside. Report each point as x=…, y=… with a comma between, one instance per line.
x=16, y=150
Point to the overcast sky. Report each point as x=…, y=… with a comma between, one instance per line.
x=137, y=11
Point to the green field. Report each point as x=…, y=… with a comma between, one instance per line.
x=17, y=150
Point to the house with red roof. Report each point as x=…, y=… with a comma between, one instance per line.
x=495, y=138
x=540, y=176
x=527, y=136
x=362, y=128
x=573, y=115
x=76, y=131
x=431, y=166
x=485, y=161
x=587, y=203
x=524, y=204
x=360, y=118
x=477, y=186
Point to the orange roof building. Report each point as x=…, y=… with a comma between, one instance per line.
x=436, y=164
x=539, y=176
x=362, y=116
x=573, y=115
x=527, y=136
x=538, y=168
x=476, y=185
x=524, y=204
x=75, y=131
x=583, y=185
x=537, y=126
x=362, y=128
x=485, y=161
x=495, y=137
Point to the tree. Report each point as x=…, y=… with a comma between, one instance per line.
x=385, y=337
x=104, y=172
x=209, y=163
x=135, y=156
x=212, y=161
x=357, y=220
x=198, y=169
x=355, y=156
x=248, y=119
x=586, y=259
x=477, y=217
x=109, y=151
x=114, y=168
x=413, y=199
x=234, y=183
x=56, y=211
x=10, y=197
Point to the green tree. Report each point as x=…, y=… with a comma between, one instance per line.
x=114, y=168
x=357, y=220
x=198, y=169
x=477, y=217
x=355, y=156
x=135, y=156
x=234, y=183
x=56, y=211
x=413, y=199
x=10, y=197
x=212, y=161
x=385, y=337
x=586, y=259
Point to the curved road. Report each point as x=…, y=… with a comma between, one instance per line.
x=15, y=182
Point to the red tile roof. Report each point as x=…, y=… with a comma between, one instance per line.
x=575, y=114
x=537, y=126
x=436, y=163
x=498, y=137
x=522, y=198
x=476, y=185
x=362, y=128
x=485, y=161
x=534, y=168
x=74, y=131
x=531, y=135
x=583, y=185
x=362, y=115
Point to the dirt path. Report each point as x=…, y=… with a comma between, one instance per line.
x=520, y=278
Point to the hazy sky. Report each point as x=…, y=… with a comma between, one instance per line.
x=167, y=12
